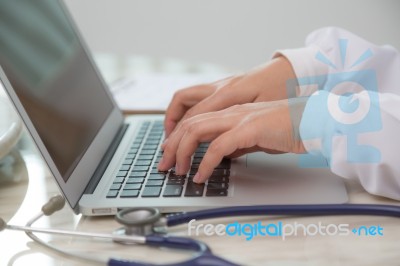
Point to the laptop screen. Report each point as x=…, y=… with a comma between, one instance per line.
x=53, y=78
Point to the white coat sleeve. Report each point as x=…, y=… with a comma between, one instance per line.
x=363, y=141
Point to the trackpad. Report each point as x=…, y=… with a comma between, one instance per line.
x=280, y=178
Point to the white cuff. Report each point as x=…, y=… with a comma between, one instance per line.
x=304, y=65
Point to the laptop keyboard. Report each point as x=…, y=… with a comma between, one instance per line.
x=138, y=175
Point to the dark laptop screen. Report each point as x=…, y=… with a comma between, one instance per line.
x=53, y=78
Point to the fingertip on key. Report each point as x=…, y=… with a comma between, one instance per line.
x=164, y=144
x=161, y=165
x=197, y=178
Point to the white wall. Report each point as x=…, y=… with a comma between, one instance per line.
x=234, y=33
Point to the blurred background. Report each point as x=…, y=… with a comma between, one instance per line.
x=235, y=34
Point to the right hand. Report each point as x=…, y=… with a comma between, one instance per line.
x=264, y=83
x=240, y=129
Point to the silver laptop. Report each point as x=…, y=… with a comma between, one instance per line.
x=103, y=161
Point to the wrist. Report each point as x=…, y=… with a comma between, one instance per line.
x=296, y=110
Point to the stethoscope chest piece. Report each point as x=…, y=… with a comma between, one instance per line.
x=140, y=221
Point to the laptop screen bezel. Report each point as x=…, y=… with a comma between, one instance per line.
x=77, y=182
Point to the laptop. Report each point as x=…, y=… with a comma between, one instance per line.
x=103, y=161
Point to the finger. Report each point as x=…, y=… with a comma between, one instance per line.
x=204, y=130
x=197, y=127
x=182, y=101
x=218, y=101
x=222, y=146
x=241, y=152
x=223, y=98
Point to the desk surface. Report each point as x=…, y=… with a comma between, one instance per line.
x=22, y=198
x=25, y=184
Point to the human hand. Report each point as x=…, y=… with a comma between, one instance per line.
x=265, y=83
x=265, y=126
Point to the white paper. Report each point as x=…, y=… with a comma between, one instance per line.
x=154, y=92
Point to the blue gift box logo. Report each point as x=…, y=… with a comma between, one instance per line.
x=337, y=106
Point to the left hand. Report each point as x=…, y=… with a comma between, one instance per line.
x=265, y=126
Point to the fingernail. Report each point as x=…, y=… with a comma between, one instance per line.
x=161, y=163
x=164, y=144
x=197, y=178
x=177, y=169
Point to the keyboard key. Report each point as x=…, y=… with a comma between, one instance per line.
x=204, y=145
x=135, y=145
x=218, y=179
x=225, y=163
x=122, y=173
x=216, y=192
x=154, y=183
x=173, y=191
x=221, y=172
x=135, y=180
x=201, y=149
x=147, y=152
x=158, y=176
x=199, y=155
x=175, y=181
x=194, y=190
x=152, y=142
x=150, y=147
x=155, y=171
x=145, y=157
x=119, y=180
x=112, y=194
x=130, y=156
x=116, y=186
x=151, y=192
x=127, y=162
x=140, y=136
x=195, y=166
x=132, y=186
x=133, y=151
x=143, y=162
x=138, y=174
x=140, y=168
x=129, y=194
x=211, y=186
x=197, y=160
x=125, y=168
x=172, y=175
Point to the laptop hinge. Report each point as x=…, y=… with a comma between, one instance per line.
x=94, y=181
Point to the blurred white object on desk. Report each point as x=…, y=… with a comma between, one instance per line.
x=10, y=124
x=153, y=92
x=146, y=84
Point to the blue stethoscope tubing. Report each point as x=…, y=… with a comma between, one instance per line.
x=204, y=255
x=290, y=210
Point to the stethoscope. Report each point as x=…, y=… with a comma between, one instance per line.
x=147, y=226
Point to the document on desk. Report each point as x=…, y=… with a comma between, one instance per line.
x=153, y=92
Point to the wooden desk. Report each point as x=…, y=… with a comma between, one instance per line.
x=21, y=199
